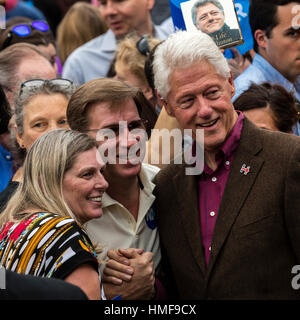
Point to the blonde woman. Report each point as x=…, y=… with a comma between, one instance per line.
x=130, y=61
x=82, y=23
x=41, y=231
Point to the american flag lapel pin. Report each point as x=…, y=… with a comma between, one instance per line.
x=245, y=170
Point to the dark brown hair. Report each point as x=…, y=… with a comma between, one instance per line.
x=36, y=37
x=263, y=15
x=281, y=102
x=106, y=90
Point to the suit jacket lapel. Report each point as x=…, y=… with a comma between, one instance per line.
x=187, y=191
x=238, y=187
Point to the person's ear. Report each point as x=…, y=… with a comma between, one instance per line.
x=163, y=102
x=261, y=38
x=231, y=82
x=19, y=137
x=150, y=4
x=148, y=93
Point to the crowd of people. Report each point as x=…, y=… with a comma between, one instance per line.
x=138, y=163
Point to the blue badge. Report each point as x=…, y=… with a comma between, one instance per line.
x=150, y=218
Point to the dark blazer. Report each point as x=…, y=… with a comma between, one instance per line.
x=27, y=287
x=256, y=240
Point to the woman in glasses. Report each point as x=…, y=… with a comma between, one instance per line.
x=40, y=107
x=34, y=32
x=41, y=229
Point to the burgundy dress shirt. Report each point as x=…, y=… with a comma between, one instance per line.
x=211, y=186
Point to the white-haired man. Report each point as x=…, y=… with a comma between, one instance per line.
x=231, y=232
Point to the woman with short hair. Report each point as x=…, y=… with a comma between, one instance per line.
x=40, y=107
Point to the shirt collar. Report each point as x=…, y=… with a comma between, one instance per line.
x=230, y=144
x=234, y=136
x=145, y=184
x=273, y=74
x=109, y=43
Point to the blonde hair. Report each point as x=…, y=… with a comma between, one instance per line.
x=132, y=58
x=82, y=23
x=46, y=163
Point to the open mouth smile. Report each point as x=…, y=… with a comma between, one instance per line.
x=96, y=199
x=208, y=124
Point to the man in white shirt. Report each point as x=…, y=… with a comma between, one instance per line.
x=93, y=59
x=128, y=221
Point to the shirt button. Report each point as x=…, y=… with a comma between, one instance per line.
x=227, y=163
x=212, y=214
x=213, y=179
x=209, y=248
x=8, y=157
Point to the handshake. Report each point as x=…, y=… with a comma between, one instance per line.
x=129, y=273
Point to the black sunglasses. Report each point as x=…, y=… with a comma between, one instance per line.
x=143, y=45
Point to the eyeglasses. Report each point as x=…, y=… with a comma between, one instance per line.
x=143, y=45
x=23, y=30
x=115, y=130
x=34, y=83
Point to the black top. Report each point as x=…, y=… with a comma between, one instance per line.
x=7, y=193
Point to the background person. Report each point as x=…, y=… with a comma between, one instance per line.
x=55, y=10
x=40, y=107
x=19, y=62
x=130, y=61
x=41, y=224
x=269, y=106
x=95, y=59
x=82, y=23
x=34, y=32
x=277, y=46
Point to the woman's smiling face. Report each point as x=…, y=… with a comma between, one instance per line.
x=84, y=185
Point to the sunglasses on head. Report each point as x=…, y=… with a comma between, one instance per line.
x=143, y=45
x=35, y=83
x=23, y=30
